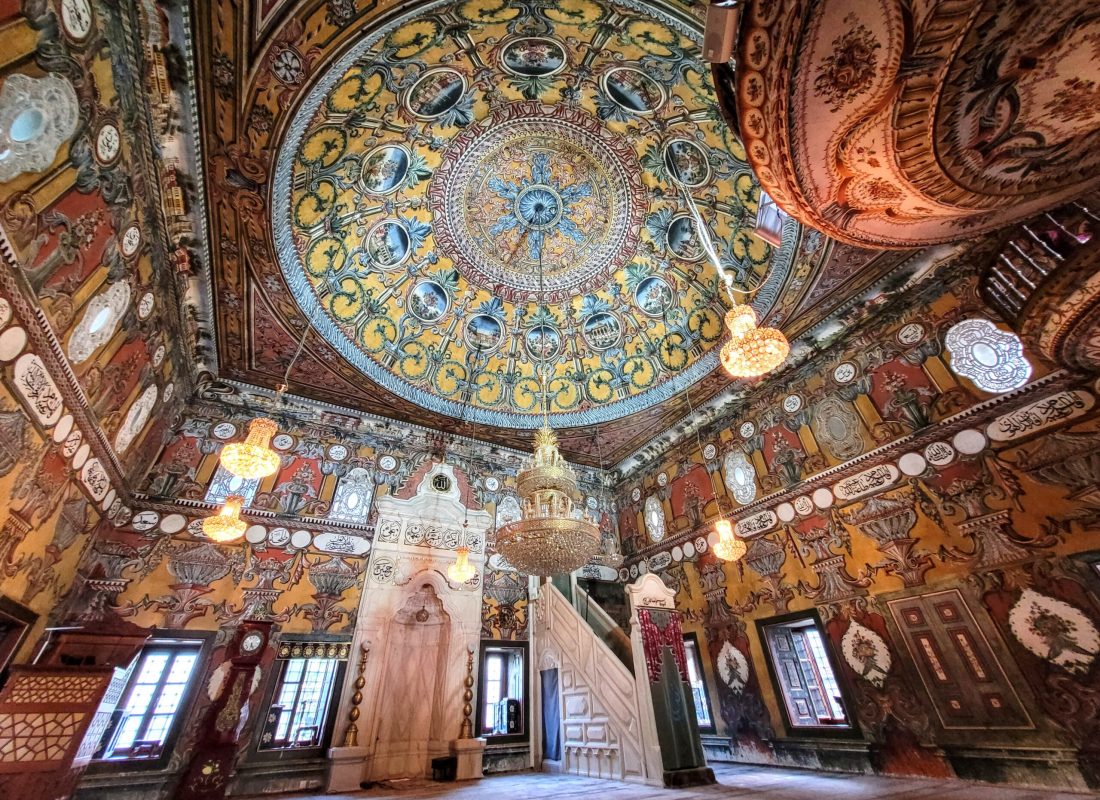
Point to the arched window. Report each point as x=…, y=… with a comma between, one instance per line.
x=226, y=483
x=351, y=503
x=654, y=518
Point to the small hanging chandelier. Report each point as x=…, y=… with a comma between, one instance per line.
x=226, y=525
x=462, y=570
x=253, y=458
x=729, y=546
x=759, y=351
x=551, y=538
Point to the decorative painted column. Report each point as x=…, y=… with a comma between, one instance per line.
x=656, y=633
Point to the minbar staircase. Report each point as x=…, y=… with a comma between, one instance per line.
x=607, y=726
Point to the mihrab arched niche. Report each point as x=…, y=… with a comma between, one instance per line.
x=894, y=124
x=451, y=156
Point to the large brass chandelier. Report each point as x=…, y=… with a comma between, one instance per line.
x=552, y=537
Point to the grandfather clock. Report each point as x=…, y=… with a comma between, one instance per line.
x=207, y=776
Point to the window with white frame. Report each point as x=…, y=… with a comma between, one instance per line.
x=226, y=483
x=299, y=712
x=699, y=693
x=153, y=701
x=351, y=503
x=811, y=694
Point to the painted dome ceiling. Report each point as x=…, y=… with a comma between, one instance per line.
x=486, y=190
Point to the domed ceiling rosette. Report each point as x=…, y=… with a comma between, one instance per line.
x=885, y=126
x=441, y=161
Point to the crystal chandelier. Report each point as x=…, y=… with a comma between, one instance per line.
x=226, y=525
x=253, y=458
x=462, y=570
x=551, y=538
x=758, y=351
x=728, y=547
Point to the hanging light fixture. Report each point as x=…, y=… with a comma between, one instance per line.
x=749, y=351
x=226, y=525
x=740, y=319
x=551, y=537
x=759, y=351
x=462, y=570
x=253, y=458
x=728, y=547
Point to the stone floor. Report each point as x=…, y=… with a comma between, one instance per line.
x=767, y=783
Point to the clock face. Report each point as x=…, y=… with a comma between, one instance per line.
x=252, y=642
x=76, y=18
x=108, y=143
x=131, y=240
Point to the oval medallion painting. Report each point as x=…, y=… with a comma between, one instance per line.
x=543, y=343
x=602, y=331
x=484, y=333
x=686, y=163
x=654, y=296
x=387, y=244
x=384, y=169
x=436, y=93
x=633, y=90
x=428, y=301
x=533, y=57
x=681, y=239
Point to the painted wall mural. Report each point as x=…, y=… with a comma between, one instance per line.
x=87, y=368
x=952, y=567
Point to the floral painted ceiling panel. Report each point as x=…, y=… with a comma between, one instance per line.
x=484, y=192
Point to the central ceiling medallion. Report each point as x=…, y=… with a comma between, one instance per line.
x=535, y=182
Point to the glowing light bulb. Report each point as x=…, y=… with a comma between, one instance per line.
x=226, y=525
x=739, y=321
x=761, y=350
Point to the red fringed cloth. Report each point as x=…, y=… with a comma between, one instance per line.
x=660, y=628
